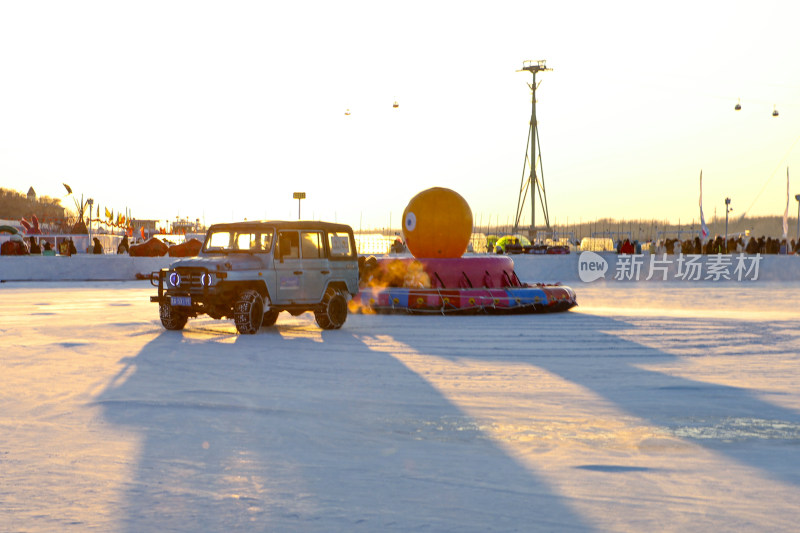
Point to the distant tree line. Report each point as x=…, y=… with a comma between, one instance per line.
x=15, y=205
x=646, y=230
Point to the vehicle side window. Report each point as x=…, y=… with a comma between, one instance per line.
x=290, y=244
x=312, y=245
x=339, y=244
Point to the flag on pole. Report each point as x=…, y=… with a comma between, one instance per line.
x=786, y=211
x=703, y=228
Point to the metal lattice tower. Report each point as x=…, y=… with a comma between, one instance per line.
x=532, y=181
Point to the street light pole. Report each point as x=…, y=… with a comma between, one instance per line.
x=727, y=210
x=90, y=201
x=299, y=196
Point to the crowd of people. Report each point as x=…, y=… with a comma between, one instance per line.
x=16, y=245
x=718, y=245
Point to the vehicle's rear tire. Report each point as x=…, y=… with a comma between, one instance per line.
x=270, y=315
x=332, y=312
x=171, y=318
x=248, y=312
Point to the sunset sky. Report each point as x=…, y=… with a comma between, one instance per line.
x=221, y=110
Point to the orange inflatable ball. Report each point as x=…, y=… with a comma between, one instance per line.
x=437, y=223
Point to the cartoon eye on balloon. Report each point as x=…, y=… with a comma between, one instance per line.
x=411, y=221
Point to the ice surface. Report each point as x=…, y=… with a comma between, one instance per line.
x=649, y=407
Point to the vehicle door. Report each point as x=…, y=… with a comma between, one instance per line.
x=343, y=259
x=288, y=267
x=258, y=243
x=316, y=271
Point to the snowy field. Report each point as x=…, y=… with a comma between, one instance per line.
x=671, y=407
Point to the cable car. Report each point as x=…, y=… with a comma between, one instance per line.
x=738, y=106
x=347, y=112
x=774, y=111
x=395, y=105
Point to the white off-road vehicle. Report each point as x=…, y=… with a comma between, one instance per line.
x=251, y=271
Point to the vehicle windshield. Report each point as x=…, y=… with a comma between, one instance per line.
x=239, y=240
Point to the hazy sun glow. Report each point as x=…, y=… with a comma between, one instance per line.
x=221, y=112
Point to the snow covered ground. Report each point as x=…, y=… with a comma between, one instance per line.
x=666, y=407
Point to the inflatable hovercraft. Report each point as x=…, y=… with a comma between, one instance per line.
x=480, y=284
x=437, y=226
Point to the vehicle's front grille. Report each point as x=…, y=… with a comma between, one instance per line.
x=191, y=278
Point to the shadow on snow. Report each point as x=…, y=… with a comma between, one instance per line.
x=288, y=433
x=589, y=351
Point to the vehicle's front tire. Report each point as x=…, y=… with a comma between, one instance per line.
x=248, y=312
x=171, y=318
x=332, y=312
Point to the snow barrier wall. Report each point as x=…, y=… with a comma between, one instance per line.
x=80, y=267
x=529, y=268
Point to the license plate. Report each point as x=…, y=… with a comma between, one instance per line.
x=181, y=301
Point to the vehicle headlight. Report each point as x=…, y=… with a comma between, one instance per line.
x=174, y=279
x=206, y=280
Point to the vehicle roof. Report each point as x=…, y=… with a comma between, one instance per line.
x=284, y=224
